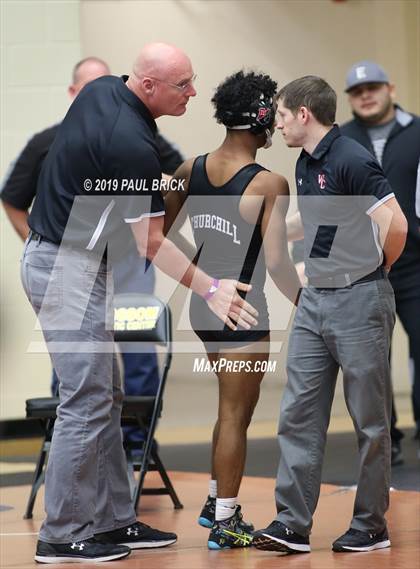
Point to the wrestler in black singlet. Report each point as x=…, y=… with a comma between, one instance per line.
x=228, y=248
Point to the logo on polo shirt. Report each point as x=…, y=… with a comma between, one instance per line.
x=322, y=181
x=300, y=181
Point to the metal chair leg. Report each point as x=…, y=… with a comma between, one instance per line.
x=166, y=480
x=37, y=481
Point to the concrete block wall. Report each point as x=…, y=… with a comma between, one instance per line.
x=40, y=43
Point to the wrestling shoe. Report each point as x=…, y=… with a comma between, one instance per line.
x=208, y=516
x=138, y=536
x=226, y=534
x=278, y=537
x=84, y=551
x=355, y=540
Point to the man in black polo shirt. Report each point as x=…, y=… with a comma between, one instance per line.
x=130, y=275
x=101, y=178
x=353, y=231
x=18, y=188
x=393, y=136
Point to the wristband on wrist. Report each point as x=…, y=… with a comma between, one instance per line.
x=213, y=288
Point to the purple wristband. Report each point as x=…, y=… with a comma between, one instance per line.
x=213, y=288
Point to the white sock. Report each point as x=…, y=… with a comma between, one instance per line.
x=225, y=508
x=213, y=488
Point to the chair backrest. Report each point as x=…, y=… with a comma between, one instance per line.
x=141, y=318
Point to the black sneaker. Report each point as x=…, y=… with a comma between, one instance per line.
x=278, y=537
x=79, y=552
x=396, y=454
x=138, y=536
x=355, y=540
x=208, y=515
x=229, y=533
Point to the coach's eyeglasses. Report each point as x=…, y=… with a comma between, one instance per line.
x=182, y=86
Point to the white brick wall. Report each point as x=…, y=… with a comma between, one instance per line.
x=40, y=43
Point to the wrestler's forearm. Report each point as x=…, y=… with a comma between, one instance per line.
x=294, y=227
x=183, y=244
x=172, y=261
x=287, y=280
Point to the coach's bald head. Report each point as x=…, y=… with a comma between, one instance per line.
x=162, y=78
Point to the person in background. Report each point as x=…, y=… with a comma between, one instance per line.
x=392, y=135
x=18, y=189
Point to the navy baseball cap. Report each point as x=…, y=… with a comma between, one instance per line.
x=365, y=72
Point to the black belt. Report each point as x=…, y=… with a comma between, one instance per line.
x=347, y=279
x=34, y=236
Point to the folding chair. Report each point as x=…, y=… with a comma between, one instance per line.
x=144, y=318
x=138, y=318
x=43, y=409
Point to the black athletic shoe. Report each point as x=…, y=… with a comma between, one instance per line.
x=138, y=536
x=229, y=533
x=396, y=454
x=208, y=515
x=355, y=540
x=79, y=552
x=278, y=537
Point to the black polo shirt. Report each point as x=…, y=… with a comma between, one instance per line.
x=19, y=187
x=20, y=182
x=102, y=169
x=338, y=186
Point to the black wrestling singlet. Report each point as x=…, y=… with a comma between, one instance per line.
x=228, y=247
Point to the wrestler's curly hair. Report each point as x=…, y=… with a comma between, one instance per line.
x=238, y=92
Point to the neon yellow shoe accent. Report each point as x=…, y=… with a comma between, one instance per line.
x=241, y=538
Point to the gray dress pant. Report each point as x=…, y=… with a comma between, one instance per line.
x=349, y=328
x=86, y=483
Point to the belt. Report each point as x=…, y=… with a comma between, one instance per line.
x=345, y=280
x=34, y=236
